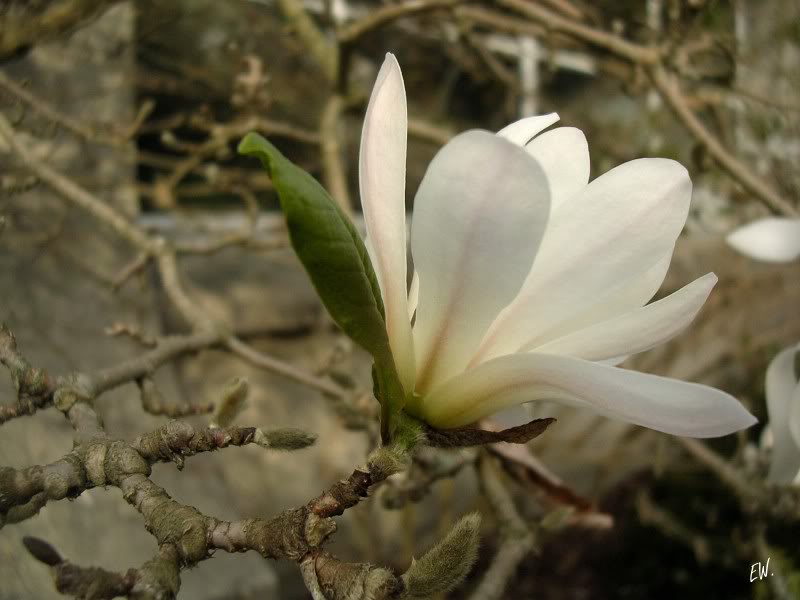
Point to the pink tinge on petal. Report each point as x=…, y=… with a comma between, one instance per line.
x=478, y=218
x=382, y=172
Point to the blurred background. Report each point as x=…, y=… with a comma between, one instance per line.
x=143, y=103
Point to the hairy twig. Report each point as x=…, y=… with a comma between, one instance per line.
x=176, y=440
x=81, y=582
x=349, y=492
x=34, y=386
x=185, y=535
x=328, y=578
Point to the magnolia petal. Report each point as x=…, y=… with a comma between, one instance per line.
x=772, y=239
x=479, y=215
x=637, y=330
x=564, y=155
x=625, y=296
x=413, y=295
x=668, y=405
x=794, y=416
x=627, y=221
x=780, y=388
x=382, y=173
x=523, y=131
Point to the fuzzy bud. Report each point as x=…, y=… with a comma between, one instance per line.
x=287, y=438
x=42, y=551
x=445, y=565
x=233, y=399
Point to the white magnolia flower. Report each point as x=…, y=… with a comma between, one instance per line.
x=772, y=239
x=530, y=282
x=783, y=407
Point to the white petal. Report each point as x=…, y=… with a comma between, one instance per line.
x=523, y=131
x=669, y=405
x=794, y=416
x=624, y=222
x=637, y=330
x=564, y=155
x=620, y=298
x=773, y=239
x=780, y=389
x=382, y=174
x=413, y=295
x=478, y=219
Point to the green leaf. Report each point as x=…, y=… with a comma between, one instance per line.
x=336, y=259
x=329, y=247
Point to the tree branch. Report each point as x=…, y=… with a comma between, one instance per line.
x=669, y=88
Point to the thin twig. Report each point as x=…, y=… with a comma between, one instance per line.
x=72, y=125
x=669, y=88
x=637, y=53
x=324, y=52
x=430, y=132
x=386, y=14
x=78, y=195
x=517, y=540
x=166, y=263
x=333, y=165
x=270, y=363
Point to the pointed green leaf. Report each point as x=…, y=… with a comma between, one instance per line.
x=329, y=247
x=336, y=259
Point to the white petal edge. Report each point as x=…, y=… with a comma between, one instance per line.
x=523, y=131
x=637, y=330
x=382, y=173
x=780, y=388
x=794, y=416
x=624, y=222
x=772, y=239
x=479, y=215
x=625, y=296
x=413, y=295
x=668, y=405
x=564, y=155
